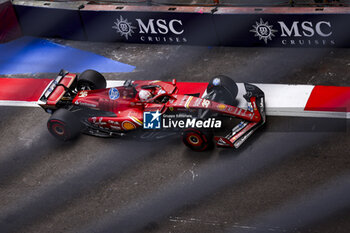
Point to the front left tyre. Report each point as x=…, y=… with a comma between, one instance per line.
x=64, y=125
x=197, y=140
x=222, y=89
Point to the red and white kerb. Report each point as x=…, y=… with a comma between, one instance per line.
x=280, y=99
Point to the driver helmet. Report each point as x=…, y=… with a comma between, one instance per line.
x=144, y=95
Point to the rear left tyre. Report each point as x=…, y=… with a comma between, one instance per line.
x=91, y=80
x=197, y=140
x=64, y=125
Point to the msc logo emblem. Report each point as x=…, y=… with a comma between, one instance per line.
x=263, y=30
x=151, y=120
x=124, y=27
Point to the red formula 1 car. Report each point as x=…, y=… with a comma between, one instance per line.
x=82, y=103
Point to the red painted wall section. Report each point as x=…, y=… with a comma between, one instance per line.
x=186, y=89
x=329, y=98
x=9, y=26
x=19, y=89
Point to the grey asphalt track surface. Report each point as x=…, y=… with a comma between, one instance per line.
x=291, y=176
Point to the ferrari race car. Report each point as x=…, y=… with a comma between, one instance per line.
x=83, y=104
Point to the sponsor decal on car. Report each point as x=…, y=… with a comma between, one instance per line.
x=187, y=104
x=222, y=142
x=241, y=125
x=222, y=106
x=115, y=127
x=136, y=120
x=161, y=92
x=113, y=122
x=205, y=103
x=197, y=102
x=127, y=125
x=254, y=106
x=98, y=121
x=183, y=100
x=242, y=139
x=83, y=94
x=250, y=107
x=84, y=104
x=113, y=93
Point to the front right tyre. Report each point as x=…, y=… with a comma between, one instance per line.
x=197, y=140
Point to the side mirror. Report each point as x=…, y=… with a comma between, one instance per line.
x=174, y=82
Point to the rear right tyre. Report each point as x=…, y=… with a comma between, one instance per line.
x=64, y=125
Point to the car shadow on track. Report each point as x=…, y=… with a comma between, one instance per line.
x=46, y=199
x=19, y=161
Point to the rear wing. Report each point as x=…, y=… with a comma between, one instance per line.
x=56, y=89
x=51, y=87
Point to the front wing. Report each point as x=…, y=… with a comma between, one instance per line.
x=241, y=132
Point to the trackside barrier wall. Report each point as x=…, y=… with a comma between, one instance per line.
x=50, y=19
x=159, y=25
x=9, y=27
x=226, y=26
x=283, y=27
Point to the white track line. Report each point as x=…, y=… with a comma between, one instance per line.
x=13, y=103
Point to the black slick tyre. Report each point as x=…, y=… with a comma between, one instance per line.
x=197, y=140
x=64, y=125
x=225, y=89
x=91, y=80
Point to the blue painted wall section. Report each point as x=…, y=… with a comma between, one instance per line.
x=33, y=55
